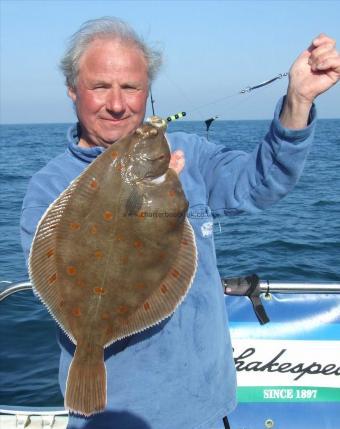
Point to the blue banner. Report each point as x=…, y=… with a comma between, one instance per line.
x=288, y=370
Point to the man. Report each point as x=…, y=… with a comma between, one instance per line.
x=179, y=374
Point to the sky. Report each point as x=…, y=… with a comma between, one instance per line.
x=212, y=50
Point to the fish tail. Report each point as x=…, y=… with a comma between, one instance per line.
x=86, y=381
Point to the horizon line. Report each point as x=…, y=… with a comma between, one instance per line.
x=190, y=120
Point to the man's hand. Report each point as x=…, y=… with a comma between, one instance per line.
x=313, y=72
x=177, y=161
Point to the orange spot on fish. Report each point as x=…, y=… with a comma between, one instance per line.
x=162, y=255
x=76, y=311
x=119, y=237
x=50, y=253
x=114, y=154
x=123, y=309
x=61, y=303
x=107, y=215
x=93, y=183
x=175, y=273
x=80, y=283
x=98, y=254
x=120, y=167
x=93, y=229
x=164, y=289
x=74, y=226
x=52, y=278
x=99, y=291
x=141, y=215
x=140, y=286
x=138, y=244
x=171, y=193
x=146, y=306
x=184, y=242
x=71, y=271
x=105, y=316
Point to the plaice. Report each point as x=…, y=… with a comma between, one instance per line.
x=113, y=255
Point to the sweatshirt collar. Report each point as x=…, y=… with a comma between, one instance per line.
x=87, y=154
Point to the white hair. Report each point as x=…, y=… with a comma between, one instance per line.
x=105, y=28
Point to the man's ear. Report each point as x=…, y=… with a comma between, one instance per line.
x=71, y=92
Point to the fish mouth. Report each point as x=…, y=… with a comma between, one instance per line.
x=158, y=158
x=157, y=180
x=159, y=165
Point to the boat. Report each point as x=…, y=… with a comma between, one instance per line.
x=288, y=365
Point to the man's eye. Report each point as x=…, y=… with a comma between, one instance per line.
x=100, y=86
x=130, y=88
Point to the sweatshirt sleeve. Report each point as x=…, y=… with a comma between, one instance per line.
x=42, y=190
x=239, y=182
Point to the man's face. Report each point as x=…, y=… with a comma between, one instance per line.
x=111, y=92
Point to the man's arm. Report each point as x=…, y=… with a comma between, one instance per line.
x=30, y=218
x=239, y=182
x=43, y=188
x=314, y=72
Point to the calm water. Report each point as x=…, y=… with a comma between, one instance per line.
x=296, y=240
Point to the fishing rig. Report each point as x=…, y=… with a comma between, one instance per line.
x=209, y=121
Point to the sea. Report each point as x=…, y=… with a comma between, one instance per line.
x=297, y=240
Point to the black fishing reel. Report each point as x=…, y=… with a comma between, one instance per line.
x=247, y=286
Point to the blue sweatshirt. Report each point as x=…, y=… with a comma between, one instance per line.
x=180, y=374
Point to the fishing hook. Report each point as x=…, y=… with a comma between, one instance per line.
x=266, y=82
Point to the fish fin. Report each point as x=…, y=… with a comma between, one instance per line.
x=42, y=258
x=172, y=290
x=86, y=381
x=134, y=202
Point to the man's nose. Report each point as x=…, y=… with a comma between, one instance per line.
x=115, y=102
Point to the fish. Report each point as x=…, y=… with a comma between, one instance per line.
x=113, y=255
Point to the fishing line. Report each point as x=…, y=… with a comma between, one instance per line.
x=247, y=90
x=216, y=101
x=244, y=99
x=184, y=95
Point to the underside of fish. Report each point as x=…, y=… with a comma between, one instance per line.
x=113, y=255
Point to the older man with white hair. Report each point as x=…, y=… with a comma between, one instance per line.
x=179, y=374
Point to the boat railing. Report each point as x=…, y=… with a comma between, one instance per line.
x=266, y=288
x=19, y=417
x=8, y=288
x=33, y=417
